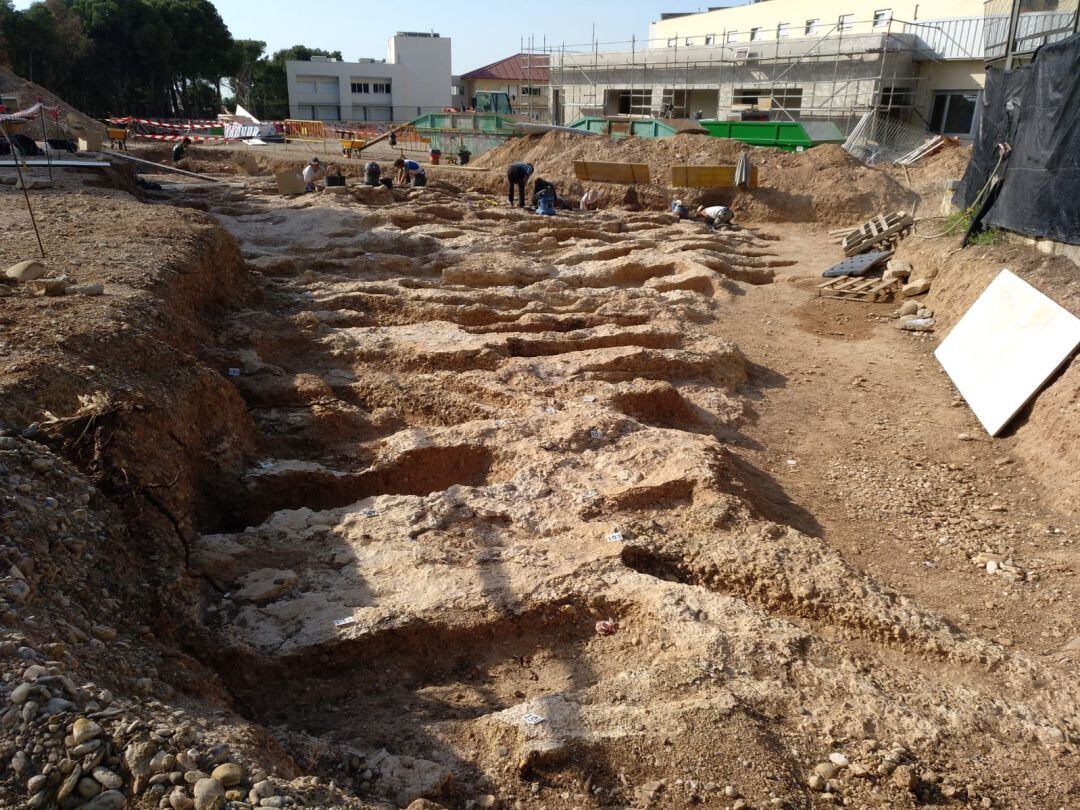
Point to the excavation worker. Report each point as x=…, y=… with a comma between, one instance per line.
x=716, y=216
x=517, y=175
x=590, y=200
x=314, y=173
x=179, y=149
x=410, y=172
x=680, y=210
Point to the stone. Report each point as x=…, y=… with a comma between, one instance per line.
x=20, y=693
x=84, y=730
x=264, y=585
x=58, y=705
x=19, y=762
x=229, y=774
x=191, y=777
x=209, y=795
x=897, y=268
x=904, y=778
x=838, y=759
x=48, y=286
x=914, y=288
x=487, y=802
x=26, y=271
x=88, y=788
x=179, y=800
x=137, y=758
x=36, y=783
x=826, y=769
x=816, y=782
x=263, y=789
x=109, y=800
x=909, y=308
x=86, y=289
x=110, y=780
x=67, y=787
x=917, y=325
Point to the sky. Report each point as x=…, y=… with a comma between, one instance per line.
x=482, y=31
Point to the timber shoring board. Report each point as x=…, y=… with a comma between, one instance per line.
x=875, y=231
x=602, y=172
x=687, y=176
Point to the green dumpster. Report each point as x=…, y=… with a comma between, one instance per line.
x=791, y=136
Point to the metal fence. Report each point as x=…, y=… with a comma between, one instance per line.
x=882, y=138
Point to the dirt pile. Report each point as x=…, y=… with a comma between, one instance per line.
x=74, y=122
x=824, y=184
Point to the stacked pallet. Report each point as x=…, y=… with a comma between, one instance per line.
x=883, y=232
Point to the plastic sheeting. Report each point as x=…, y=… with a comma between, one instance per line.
x=1035, y=109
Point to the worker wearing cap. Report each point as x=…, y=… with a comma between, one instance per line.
x=314, y=172
x=411, y=172
x=717, y=216
x=517, y=175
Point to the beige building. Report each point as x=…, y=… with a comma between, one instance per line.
x=922, y=64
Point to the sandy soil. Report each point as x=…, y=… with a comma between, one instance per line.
x=448, y=500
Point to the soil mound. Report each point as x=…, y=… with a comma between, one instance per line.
x=75, y=122
x=824, y=184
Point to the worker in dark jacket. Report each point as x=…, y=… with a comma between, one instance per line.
x=517, y=175
x=179, y=149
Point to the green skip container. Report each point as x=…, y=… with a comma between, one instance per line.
x=791, y=136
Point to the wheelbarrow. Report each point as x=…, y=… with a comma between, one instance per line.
x=350, y=147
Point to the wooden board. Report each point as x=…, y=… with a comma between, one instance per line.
x=611, y=172
x=1011, y=340
x=686, y=176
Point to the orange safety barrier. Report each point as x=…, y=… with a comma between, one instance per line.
x=305, y=130
x=409, y=138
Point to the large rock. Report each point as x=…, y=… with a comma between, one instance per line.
x=405, y=779
x=264, y=585
x=229, y=774
x=84, y=730
x=109, y=800
x=916, y=287
x=26, y=271
x=209, y=795
x=897, y=268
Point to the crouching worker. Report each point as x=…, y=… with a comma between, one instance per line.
x=314, y=174
x=516, y=176
x=680, y=210
x=179, y=150
x=590, y=200
x=411, y=173
x=718, y=217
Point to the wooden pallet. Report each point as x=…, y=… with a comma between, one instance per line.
x=881, y=228
x=846, y=288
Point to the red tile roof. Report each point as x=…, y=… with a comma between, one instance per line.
x=517, y=68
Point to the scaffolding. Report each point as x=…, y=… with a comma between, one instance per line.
x=834, y=73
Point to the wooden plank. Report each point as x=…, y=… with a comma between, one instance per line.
x=58, y=164
x=602, y=172
x=707, y=176
x=160, y=167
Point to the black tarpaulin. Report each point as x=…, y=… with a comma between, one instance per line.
x=1036, y=110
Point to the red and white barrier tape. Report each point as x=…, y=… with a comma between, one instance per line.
x=192, y=138
x=150, y=122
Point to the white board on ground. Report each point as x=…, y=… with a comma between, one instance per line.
x=1011, y=340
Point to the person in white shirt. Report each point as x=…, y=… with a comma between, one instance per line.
x=716, y=216
x=314, y=173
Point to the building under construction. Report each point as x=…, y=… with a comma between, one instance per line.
x=768, y=60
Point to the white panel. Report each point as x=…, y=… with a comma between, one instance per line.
x=1011, y=340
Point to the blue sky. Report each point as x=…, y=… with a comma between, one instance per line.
x=482, y=30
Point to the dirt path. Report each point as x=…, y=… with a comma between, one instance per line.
x=862, y=429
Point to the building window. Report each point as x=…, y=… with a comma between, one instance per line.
x=746, y=96
x=783, y=30
x=789, y=98
x=710, y=39
x=846, y=21
x=360, y=88
x=672, y=42
x=637, y=102
x=380, y=87
x=811, y=27
x=530, y=91
x=755, y=34
x=953, y=112
x=882, y=17
x=732, y=36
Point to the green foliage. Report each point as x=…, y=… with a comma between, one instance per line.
x=144, y=57
x=990, y=236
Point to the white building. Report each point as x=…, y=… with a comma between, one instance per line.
x=413, y=79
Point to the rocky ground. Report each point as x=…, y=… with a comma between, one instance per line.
x=409, y=499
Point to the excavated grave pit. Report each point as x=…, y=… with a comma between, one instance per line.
x=482, y=444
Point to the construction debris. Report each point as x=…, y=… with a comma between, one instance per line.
x=884, y=230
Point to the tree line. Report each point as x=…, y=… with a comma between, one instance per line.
x=169, y=58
